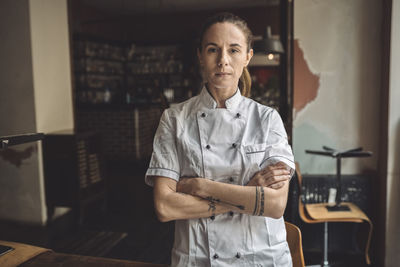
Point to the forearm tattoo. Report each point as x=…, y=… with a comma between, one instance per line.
x=211, y=205
x=213, y=201
x=259, y=205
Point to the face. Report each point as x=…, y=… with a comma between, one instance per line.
x=223, y=56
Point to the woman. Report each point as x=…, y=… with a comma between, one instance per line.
x=221, y=163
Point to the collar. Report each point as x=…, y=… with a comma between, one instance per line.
x=231, y=103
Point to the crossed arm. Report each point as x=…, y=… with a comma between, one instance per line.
x=264, y=195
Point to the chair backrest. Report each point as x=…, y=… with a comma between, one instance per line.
x=293, y=237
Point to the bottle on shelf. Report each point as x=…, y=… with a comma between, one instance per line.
x=107, y=95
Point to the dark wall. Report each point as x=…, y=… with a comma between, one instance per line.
x=162, y=28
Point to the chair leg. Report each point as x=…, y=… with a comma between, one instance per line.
x=325, y=262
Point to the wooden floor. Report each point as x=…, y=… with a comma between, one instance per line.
x=90, y=243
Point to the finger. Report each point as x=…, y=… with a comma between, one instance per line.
x=276, y=179
x=277, y=176
x=282, y=178
x=275, y=173
x=267, y=182
x=257, y=178
x=273, y=167
x=280, y=172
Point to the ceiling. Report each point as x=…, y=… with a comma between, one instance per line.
x=128, y=7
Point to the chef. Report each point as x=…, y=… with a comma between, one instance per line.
x=221, y=162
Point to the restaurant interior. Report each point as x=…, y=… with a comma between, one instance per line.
x=83, y=84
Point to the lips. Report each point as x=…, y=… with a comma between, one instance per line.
x=222, y=73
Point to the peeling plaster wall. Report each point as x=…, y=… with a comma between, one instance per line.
x=307, y=83
x=393, y=178
x=340, y=42
x=35, y=96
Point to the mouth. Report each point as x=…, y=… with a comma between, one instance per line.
x=222, y=74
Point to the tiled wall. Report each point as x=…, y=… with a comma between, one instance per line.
x=127, y=134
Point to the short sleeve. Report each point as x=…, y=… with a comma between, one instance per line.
x=164, y=159
x=278, y=148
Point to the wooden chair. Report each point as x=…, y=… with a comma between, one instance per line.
x=293, y=236
x=317, y=213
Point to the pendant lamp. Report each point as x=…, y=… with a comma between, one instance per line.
x=268, y=45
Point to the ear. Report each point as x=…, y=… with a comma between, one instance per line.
x=249, y=55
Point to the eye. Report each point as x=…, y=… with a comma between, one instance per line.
x=233, y=51
x=212, y=50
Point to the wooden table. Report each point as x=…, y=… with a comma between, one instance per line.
x=25, y=255
x=318, y=213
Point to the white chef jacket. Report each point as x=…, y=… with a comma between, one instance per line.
x=196, y=139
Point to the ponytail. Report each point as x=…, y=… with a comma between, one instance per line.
x=245, y=83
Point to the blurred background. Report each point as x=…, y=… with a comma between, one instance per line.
x=95, y=77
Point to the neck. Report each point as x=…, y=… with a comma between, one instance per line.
x=220, y=95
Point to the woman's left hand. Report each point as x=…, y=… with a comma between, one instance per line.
x=274, y=176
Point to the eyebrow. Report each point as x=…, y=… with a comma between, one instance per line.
x=214, y=44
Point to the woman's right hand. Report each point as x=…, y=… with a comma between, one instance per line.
x=273, y=176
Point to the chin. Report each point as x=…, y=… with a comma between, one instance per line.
x=223, y=85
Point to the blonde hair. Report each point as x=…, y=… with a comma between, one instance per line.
x=245, y=78
x=245, y=83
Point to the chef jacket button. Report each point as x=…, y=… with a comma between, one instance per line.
x=231, y=213
x=237, y=115
x=231, y=179
x=203, y=114
x=215, y=256
x=208, y=146
x=234, y=145
x=212, y=217
x=238, y=255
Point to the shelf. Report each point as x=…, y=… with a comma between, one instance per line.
x=154, y=74
x=98, y=73
x=11, y=140
x=108, y=107
x=79, y=57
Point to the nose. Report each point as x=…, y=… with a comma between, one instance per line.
x=223, y=58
